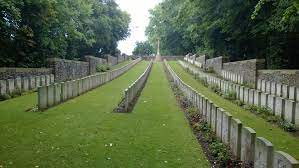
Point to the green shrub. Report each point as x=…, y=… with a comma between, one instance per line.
x=4, y=97
x=215, y=88
x=287, y=126
x=230, y=95
x=191, y=110
x=102, y=68
x=210, y=70
x=251, y=108
x=219, y=151
x=239, y=102
x=16, y=93
x=264, y=110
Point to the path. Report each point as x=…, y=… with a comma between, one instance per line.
x=281, y=140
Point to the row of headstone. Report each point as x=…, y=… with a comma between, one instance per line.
x=277, y=89
x=54, y=94
x=242, y=140
x=234, y=77
x=284, y=108
x=24, y=84
x=132, y=91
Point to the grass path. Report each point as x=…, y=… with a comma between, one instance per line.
x=69, y=135
x=280, y=139
x=120, y=64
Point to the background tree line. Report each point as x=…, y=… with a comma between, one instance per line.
x=33, y=30
x=236, y=29
x=143, y=48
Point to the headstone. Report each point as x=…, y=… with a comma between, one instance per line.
x=241, y=94
x=273, y=88
x=37, y=81
x=268, y=86
x=75, y=88
x=58, y=89
x=292, y=93
x=279, y=106
x=25, y=84
x=289, y=113
x=257, y=98
x=51, y=95
x=235, y=137
x=247, y=145
x=259, y=84
x=226, y=126
x=271, y=102
x=214, y=117
x=246, y=95
x=278, y=89
x=263, y=153
x=52, y=78
x=285, y=91
x=64, y=89
x=18, y=83
x=32, y=83
x=264, y=99
x=219, y=122
x=43, y=80
x=284, y=160
x=69, y=89
x=263, y=86
x=2, y=87
x=48, y=80
x=251, y=96
x=42, y=98
x=10, y=85
x=209, y=109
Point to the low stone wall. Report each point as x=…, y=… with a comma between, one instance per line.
x=111, y=60
x=122, y=58
x=51, y=95
x=247, y=69
x=287, y=77
x=68, y=69
x=202, y=61
x=215, y=64
x=11, y=73
x=94, y=62
x=242, y=140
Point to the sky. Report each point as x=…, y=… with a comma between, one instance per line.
x=138, y=9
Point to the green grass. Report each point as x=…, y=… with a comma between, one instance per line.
x=281, y=140
x=120, y=64
x=78, y=132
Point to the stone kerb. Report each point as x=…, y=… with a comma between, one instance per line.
x=284, y=160
x=263, y=153
x=248, y=145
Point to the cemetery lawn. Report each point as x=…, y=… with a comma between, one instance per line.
x=84, y=132
x=281, y=140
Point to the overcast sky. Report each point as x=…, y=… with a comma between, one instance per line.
x=138, y=9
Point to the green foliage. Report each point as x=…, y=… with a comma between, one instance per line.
x=4, y=97
x=102, y=68
x=287, y=126
x=33, y=30
x=16, y=93
x=230, y=95
x=143, y=49
x=220, y=152
x=215, y=88
x=237, y=29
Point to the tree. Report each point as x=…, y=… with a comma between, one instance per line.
x=143, y=49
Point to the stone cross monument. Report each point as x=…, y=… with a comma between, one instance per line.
x=158, y=56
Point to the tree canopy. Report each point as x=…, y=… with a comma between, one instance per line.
x=235, y=29
x=33, y=30
x=143, y=49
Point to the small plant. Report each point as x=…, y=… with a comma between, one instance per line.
x=239, y=102
x=191, y=110
x=215, y=88
x=263, y=110
x=230, y=95
x=251, y=108
x=102, y=68
x=287, y=126
x=16, y=93
x=4, y=97
x=219, y=151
